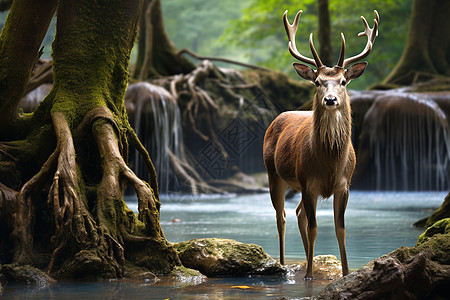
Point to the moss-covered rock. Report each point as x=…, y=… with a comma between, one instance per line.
x=442, y=212
x=220, y=257
x=183, y=277
x=440, y=227
x=420, y=272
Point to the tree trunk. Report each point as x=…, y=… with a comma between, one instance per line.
x=427, y=51
x=66, y=210
x=157, y=58
x=21, y=37
x=325, y=50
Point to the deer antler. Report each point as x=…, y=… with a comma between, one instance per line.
x=291, y=30
x=371, y=34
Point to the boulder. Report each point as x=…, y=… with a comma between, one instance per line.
x=183, y=277
x=420, y=272
x=223, y=257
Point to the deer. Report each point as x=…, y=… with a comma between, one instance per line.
x=312, y=151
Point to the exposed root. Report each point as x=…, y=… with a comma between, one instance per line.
x=115, y=168
x=42, y=73
x=190, y=176
x=230, y=61
x=72, y=219
x=24, y=219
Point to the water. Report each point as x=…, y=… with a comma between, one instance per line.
x=376, y=223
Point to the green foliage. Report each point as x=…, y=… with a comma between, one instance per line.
x=252, y=31
x=198, y=24
x=261, y=32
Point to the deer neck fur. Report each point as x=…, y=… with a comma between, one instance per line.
x=332, y=128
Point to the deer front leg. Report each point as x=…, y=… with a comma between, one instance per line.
x=277, y=193
x=309, y=204
x=340, y=204
x=302, y=225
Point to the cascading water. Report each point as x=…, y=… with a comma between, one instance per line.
x=156, y=119
x=408, y=143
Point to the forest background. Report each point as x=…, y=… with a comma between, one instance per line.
x=251, y=31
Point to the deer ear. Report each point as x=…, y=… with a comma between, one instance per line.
x=356, y=70
x=305, y=72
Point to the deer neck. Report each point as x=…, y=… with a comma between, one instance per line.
x=332, y=129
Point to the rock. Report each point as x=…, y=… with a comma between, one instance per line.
x=183, y=277
x=420, y=272
x=219, y=257
x=325, y=267
x=142, y=276
x=442, y=212
x=24, y=274
x=440, y=228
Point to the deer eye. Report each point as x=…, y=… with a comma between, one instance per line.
x=317, y=83
x=343, y=82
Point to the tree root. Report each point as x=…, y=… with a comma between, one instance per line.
x=190, y=176
x=115, y=168
x=221, y=59
x=72, y=219
x=24, y=217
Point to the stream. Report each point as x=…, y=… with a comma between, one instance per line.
x=376, y=223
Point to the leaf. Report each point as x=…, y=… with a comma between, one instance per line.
x=241, y=287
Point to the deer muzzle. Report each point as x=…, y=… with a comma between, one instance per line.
x=330, y=101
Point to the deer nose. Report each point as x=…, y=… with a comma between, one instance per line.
x=330, y=100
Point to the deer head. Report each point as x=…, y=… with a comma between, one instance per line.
x=331, y=82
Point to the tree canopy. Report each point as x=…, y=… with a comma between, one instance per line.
x=252, y=30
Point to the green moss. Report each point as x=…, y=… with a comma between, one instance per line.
x=185, y=272
x=440, y=227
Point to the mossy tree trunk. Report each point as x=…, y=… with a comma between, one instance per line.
x=427, y=51
x=21, y=37
x=157, y=55
x=64, y=171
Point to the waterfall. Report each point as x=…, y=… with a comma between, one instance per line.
x=156, y=118
x=409, y=144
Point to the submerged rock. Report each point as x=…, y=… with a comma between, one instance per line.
x=420, y=272
x=24, y=274
x=325, y=267
x=219, y=257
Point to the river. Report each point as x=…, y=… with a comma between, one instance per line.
x=376, y=223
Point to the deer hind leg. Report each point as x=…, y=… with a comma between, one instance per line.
x=277, y=192
x=309, y=205
x=340, y=204
x=302, y=225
